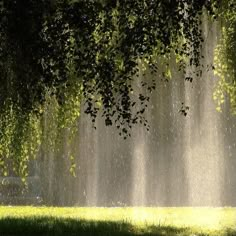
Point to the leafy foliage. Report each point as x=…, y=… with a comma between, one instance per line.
x=225, y=58
x=56, y=54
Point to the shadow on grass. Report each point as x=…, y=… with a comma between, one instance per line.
x=66, y=226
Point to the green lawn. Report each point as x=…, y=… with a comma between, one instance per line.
x=117, y=221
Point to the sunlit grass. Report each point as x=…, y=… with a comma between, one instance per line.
x=120, y=221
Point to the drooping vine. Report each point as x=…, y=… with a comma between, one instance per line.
x=58, y=56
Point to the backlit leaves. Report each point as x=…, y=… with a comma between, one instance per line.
x=225, y=58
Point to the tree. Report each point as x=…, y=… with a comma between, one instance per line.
x=56, y=54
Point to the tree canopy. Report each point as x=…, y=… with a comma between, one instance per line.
x=55, y=54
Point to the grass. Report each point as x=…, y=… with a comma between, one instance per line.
x=117, y=221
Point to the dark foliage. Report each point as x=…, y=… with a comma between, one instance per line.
x=102, y=40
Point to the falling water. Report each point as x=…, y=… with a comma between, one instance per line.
x=182, y=161
x=139, y=159
x=204, y=150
